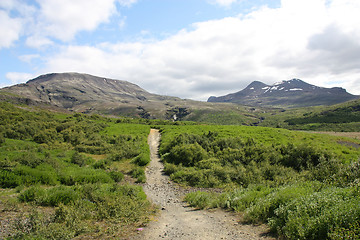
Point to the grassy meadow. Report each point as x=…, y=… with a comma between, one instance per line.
x=303, y=185
x=343, y=117
x=71, y=175
x=66, y=176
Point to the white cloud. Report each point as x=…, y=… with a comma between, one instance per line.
x=10, y=29
x=127, y=3
x=29, y=57
x=38, y=41
x=51, y=20
x=224, y=3
x=17, y=77
x=63, y=19
x=314, y=40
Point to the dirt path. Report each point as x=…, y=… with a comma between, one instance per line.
x=176, y=220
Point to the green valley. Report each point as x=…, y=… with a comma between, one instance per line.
x=68, y=175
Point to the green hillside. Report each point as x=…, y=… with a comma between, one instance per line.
x=341, y=117
x=305, y=186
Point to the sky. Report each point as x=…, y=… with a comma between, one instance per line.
x=186, y=48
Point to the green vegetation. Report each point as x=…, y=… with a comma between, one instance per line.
x=68, y=173
x=305, y=186
x=229, y=116
x=97, y=210
x=344, y=117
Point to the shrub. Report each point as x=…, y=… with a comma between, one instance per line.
x=301, y=157
x=116, y=176
x=352, y=232
x=170, y=168
x=78, y=159
x=141, y=160
x=49, y=197
x=348, y=175
x=187, y=155
x=2, y=139
x=241, y=199
x=101, y=164
x=47, y=136
x=29, y=159
x=202, y=200
x=208, y=163
x=73, y=175
x=139, y=174
x=196, y=178
x=265, y=206
x=44, y=174
x=60, y=195
x=9, y=179
x=313, y=216
x=33, y=194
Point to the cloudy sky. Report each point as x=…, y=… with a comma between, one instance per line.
x=186, y=48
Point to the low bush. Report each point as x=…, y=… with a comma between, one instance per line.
x=43, y=174
x=116, y=175
x=73, y=175
x=60, y=195
x=202, y=200
x=80, y=209
x=265, y=206
x=78, y=159
x=314, y=216
x=141, y=160
x=9, y=179
x=341, y=233
x=29, y=159
x=102, y=164
x=49, y=197
x=187, y=154
x=139, y=174
x=33, y=194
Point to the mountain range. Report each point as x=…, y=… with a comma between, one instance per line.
x=290, y=93
x=91, y=94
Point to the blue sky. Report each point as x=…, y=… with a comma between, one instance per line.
x=186, y=48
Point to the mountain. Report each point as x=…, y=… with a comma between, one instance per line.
x=291, y=93
x=73, y=90
x=91, y=94
x=87, y=93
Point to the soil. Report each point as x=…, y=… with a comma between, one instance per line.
x=177, y=220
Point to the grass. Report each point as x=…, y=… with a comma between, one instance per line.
x=65, y=175
x=304, y=185
x=265, y=136
x=344, y=117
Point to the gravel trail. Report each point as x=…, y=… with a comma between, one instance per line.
x=178, y=221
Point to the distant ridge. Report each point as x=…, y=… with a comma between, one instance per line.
x=290, y=93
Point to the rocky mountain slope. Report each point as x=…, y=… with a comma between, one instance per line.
x=90, y=94
x=291, y=93
x=72, y=90
x=87, y=93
